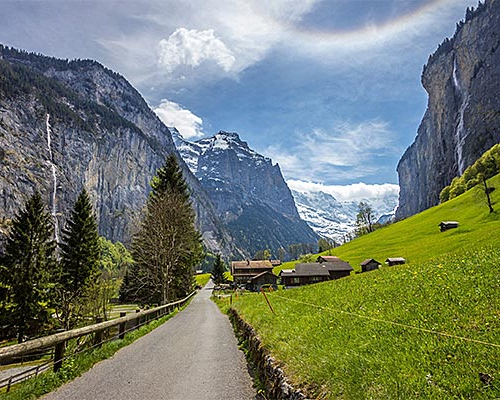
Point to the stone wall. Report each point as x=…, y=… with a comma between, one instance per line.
x=271, y=375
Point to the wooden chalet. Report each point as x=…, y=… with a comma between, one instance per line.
x=245, y=270
x=264, y=278
x=395, y=261
x=275, y=263
x=370, y=264
x=307, y=273
x=445, y=225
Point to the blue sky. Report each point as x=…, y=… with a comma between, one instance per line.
x=328, y=89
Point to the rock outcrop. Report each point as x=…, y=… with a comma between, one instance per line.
x=249, y=192
x=462, y=79
x=65, y=125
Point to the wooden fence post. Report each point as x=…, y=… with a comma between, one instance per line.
x=98, y=334
x=137, y=323
x=121, y=335
x=59, y=353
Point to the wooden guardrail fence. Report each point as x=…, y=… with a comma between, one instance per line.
x=58, y=340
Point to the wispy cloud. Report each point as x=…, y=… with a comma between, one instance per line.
x=192, y=48
x=353, y=192
x=174, y=115
x=347, y=150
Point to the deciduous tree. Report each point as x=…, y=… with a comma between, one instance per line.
x=167, y=246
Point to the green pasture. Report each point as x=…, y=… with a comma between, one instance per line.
x=429, y=329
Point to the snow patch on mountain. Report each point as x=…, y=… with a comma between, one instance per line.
x=332, y=218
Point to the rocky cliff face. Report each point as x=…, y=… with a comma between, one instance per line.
x=68, y=125
x=248, y=191
x=462, y=119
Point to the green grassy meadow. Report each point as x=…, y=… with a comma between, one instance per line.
x=427, y=329
x=202, y=279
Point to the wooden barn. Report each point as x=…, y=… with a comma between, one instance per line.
x=395, y=261
x=445, y=225
x=338, y=269
x=304, y=274
x=265, y=278
x=370, y=264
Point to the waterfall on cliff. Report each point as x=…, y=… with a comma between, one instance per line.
x=54, y=177
x=460, y=130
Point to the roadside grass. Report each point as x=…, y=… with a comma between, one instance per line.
x=341, y=339
x=75, y=366
x=202, y=279
x=418, y=238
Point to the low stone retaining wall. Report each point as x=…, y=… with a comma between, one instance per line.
x=270, y=374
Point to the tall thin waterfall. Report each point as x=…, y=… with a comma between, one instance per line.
x=460, y=133
x=54, y=177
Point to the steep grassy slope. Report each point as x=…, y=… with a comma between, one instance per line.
x=418, y=238
x=429, y=329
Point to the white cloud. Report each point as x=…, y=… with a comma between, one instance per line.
x=353, y=192
x=187, y=123
x=348, y=150
x=193, y=47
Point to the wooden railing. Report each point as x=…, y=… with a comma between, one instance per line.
x=125, y=323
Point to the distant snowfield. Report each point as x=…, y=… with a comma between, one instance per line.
x=331, y=210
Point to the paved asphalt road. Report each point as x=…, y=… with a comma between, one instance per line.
x=193, y=356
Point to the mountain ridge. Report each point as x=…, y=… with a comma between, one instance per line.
x=250, y=193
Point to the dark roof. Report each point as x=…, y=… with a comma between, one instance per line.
x=337, y=266
x=263, y=273
x=328, y=258
x=368, y=261
x=306, y=269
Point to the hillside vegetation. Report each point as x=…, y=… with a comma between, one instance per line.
x=418, y=238
x=428, y=329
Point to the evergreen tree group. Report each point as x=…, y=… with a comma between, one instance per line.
x=39, y=282
x=34, y=282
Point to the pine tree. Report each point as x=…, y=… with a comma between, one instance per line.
x=170, y=178
x=167, y=246
x=218, y=270
x=30, y=267
x=80, y=251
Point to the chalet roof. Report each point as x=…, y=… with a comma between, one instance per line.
x=306, y=269
x=395, y=259
x=253, y=264
x=262, y=274
x=448, y=223
x=368, y=261
x=275, y=263
x=337, y=266
x=328, y=259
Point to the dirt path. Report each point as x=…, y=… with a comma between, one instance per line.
x=193, y=356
